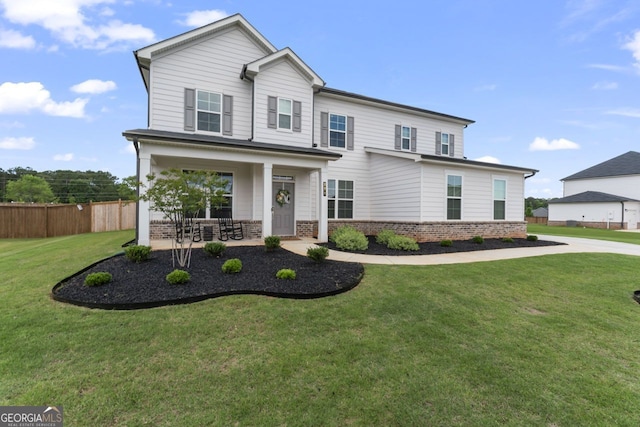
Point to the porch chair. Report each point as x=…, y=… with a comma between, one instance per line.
x=191, y=227
x=229, y=229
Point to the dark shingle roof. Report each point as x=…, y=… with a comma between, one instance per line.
x=625, y=164
x=592, y=197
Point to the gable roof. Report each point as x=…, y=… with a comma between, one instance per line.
x=254, y=67
x=625, y=164
x=592, y=197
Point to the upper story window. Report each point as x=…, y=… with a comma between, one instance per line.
x=454, y=197
x=499, y=198
x=445, y=144
x=337, y=130
x=406, y=138
x=209, y=111
x=284, y=113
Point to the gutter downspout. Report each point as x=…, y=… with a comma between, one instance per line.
x=137, y=147
x=243, y=76
x=622, y=221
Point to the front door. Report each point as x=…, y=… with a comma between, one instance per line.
x=283, y=209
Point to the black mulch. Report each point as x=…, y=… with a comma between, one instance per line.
x=433, y=248
x=143, y=285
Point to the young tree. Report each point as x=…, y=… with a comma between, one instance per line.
x=30, y=188
x=179, y=195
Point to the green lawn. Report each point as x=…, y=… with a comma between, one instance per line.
x=587, y=233
x=548, y=341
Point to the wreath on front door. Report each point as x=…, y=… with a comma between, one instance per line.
x=282, y=197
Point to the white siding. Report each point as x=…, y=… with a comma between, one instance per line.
x=395, y=184
x=587, y=212
x=283, y=80
x=212, y=65
x=625, y=186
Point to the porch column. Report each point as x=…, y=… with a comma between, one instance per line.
x=144, y=216
x=267, y=203
x=323, y=220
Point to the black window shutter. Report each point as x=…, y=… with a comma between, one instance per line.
x=350, y=145
x=272, y=114
x=414, y=139
x=189, y=109
x=227, y=117
x=438, y=143
x=324, y=129
x=297, y=116
x=451, y=145
x=397, y=144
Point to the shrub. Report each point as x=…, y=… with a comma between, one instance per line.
x=286, y=274
x=352, y=240
x=532, y=238
x=339, y=231
x=318, y=254
x=97, y=279
x=137, y=253
x=383, y=236
x=446, y=243
x=507, y=240
x=215, y=249
x=232, y=266
x=477, y=239
x=272, y=242
x=403, y=243
x=178, y=277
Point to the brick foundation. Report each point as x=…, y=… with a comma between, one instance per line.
x=589, y=224
x=164, y=230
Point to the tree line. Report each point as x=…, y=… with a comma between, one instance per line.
x=63, y=186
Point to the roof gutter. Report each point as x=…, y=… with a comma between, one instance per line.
x=533, y=173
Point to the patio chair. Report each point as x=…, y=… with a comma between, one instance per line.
x=229, y=229
x=191, y=228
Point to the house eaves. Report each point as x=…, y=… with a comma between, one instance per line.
x=625, y=164
x=380, y=103
x=225, y=143
x=593, y=197
x=253, y=68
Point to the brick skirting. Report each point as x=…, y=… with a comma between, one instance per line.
x=589, y=224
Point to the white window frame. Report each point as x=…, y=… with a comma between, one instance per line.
x=337, y=199
x=495, y=199
x=343, y=132
x=289, y=114
x=199, y=110
x=208, y=212
x=448, y=197
x=444, y=147
x=406, y=138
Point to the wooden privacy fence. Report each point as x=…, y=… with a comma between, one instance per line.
x=536, y=219
x=19, y=220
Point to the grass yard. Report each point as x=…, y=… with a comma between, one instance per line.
x=549, y=341
x=586, y=233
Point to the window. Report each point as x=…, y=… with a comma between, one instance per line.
x=337, y=130
x=454, y=197
x=340, y=195
x=209, y=108
x=284, y=113
x=406, y=138
x=216, y=210
x=499, y=198
x=445, y=144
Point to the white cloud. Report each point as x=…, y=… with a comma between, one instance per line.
x=20, y=98
x=67, y=21
x=14, y=40
x=543, y=144
x=198, y=18
x=94, y=86
x=605, y=86
x=488, y=159
x=128, y=149
x=633, y=44
x=626, y=112
x=22, y=143
x=609, y=67
x=63, y=157
x=486, y=88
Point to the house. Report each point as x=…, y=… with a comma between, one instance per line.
x=301, y=158
x=606, y=195
x=540, y=213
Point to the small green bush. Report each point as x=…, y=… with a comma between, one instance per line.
x=341, y=230
x=532, y=238
x=446, y=243
x=318, y=254
x=403, y=243
x=232, y=266
x=477, y=239
x=137, y=253
x=215, y=249
x=272, y=242
x=507, y=240
x=352, y=240
x=97, y=279
x=178, y=277
x=286, y=274
x=383, y=236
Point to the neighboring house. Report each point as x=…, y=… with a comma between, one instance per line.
x=540, y=213
x=223, y=98
x=606, y=195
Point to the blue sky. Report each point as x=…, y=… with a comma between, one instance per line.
x=552, y=84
